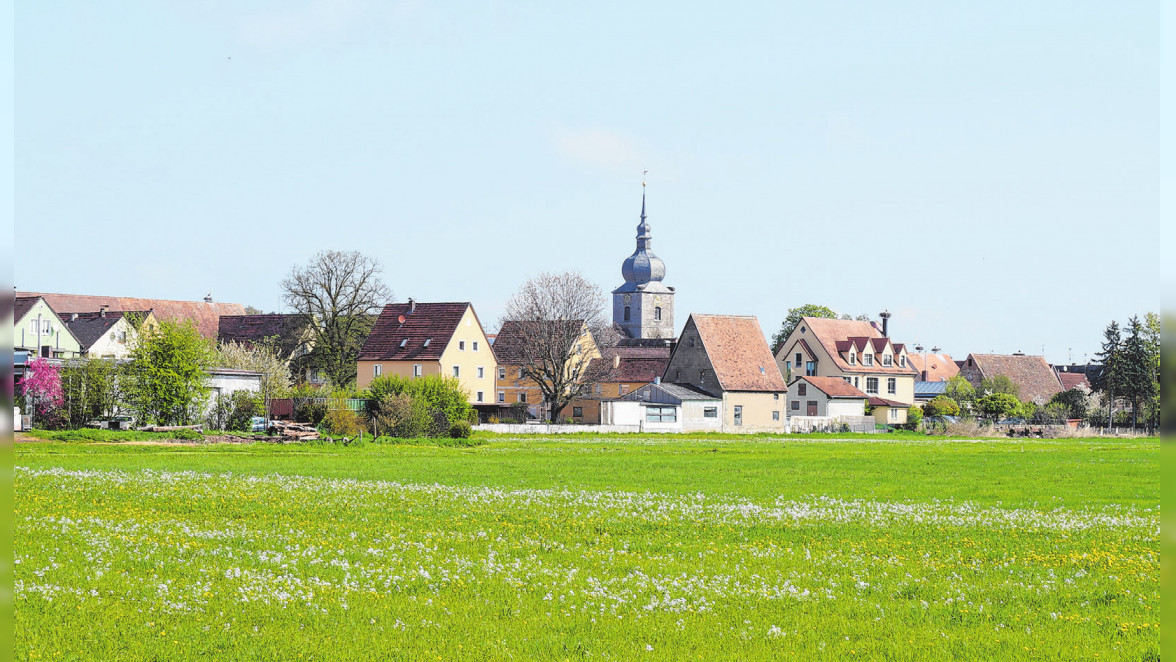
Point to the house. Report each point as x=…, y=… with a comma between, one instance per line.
x=933, y=367
x=889, y=412
x=853, y=350
x=521, y=343
x=826, y=397
x=108, y=334
x=288, y=334
x=619, y=371
x=204, y=314
x=419, y=339
x=663, y=407
x=1074, y=376
x=1035, y=379
x=927, y=391
x=38, y=330
x=727, y=356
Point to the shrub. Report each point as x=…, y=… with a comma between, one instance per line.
x=187, y=435
x=460, y=430
x=310, y=412
x=441, y=393
x=914, y=418
x=941, y=405
x=402, y=416
x=233, y=411
x=343, y=422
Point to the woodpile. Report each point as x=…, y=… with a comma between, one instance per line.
x=285, y=431
x=170, y=428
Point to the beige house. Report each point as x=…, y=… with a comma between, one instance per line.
x=727, y=356
x=853, y=350
x=419, y=339
x=519, y=343
x=109, y=334
x=825, y=396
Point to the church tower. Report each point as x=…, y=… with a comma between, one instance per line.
x=644, y=307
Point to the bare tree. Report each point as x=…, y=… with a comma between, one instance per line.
x=546, y=330
x=340, y=294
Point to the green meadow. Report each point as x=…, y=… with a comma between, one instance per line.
x=614, y=548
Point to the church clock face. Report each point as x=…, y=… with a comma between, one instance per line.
x=657, y=299
x=628, y=298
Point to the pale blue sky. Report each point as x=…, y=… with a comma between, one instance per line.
x=989, y=172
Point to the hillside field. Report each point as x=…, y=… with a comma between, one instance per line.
x=608, y=548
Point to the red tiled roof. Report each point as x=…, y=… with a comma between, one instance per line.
x=622, y=365
x=883, y=402
x=834, y=387
x=1035, y=378
x=204, y=314
x=249, y=329
x=942, y=367
x=739, y=353
x=831, y=333
x=391, y=340
x=1071, y=380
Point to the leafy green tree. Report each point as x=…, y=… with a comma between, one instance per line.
x=941, y=405
x=961, y=391
x=1108, y=379
x=440, y=394
x=793, y=318
x=1000, y=384
x=91, y=389
x=998, y=405
x=1075, y=401
x=167, y=374
x=914, y=418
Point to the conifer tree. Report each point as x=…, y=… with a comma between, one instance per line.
x=1108, y=377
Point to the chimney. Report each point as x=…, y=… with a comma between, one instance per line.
x=102, y=311
x=208, y=298
x=657, y=380
x=411, y=305
x=73, y=316
x=885, y=315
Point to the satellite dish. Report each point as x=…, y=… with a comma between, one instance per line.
x=402, y=319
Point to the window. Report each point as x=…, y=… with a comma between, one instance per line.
x=661, y=414
x=598, y=389
x=810, y=369
x=775, y=396
x=893, y=414
x=867, y=359
x=902, y=361
x=457, y=371
x=481, y=372
x=502, y=396
x=710, y=412
x=626, y=313
x=887, y=360
x=479, y=397
x=35, y=327
x=856, y=383
x=377, y=370
x=738, y=415
x=690, y=341
x=847, y=380
x=892, y=385
x=502, y=373
x=677, y=374
x=522, y=397
x=798, y=359
x=416, y=370
x=578, y=412
x=475, y=345
x=872, y=385
x=775, y=415
x=796, y=405
x=788, y=366
x=624, y=389
x=520, y=373
x=657, y=313
x=852, y=358
x=461, y=345
x=802, y=389
x=427, y=341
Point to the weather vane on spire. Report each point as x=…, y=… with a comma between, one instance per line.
x=643, y=173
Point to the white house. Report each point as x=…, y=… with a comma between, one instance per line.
x=661, y=407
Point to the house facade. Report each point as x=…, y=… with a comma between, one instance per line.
x=662, y=407
x=39, y=331
x=825, y=397
x=852, y=350
x=108, y=334
x=726, y=356
x=515, y=346
x=420, y=339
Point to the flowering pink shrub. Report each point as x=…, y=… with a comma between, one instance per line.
x=42, y=385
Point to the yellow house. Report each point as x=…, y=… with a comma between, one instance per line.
x=619, y=371
x=727, y=356
x=857, y=352
x=522, y=343
x=419, y=339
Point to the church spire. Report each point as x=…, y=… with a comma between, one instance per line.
x=644, y=236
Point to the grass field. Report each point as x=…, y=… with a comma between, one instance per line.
x=590, y=548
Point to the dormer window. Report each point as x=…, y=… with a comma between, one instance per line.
x=887, y=360
x=427, y=341
x=852, y=358
x=867, y=359
x=404, y=343
x=902, y=360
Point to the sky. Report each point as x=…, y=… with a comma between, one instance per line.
x=988, y=172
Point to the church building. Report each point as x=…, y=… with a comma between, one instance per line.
x=643, y=308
